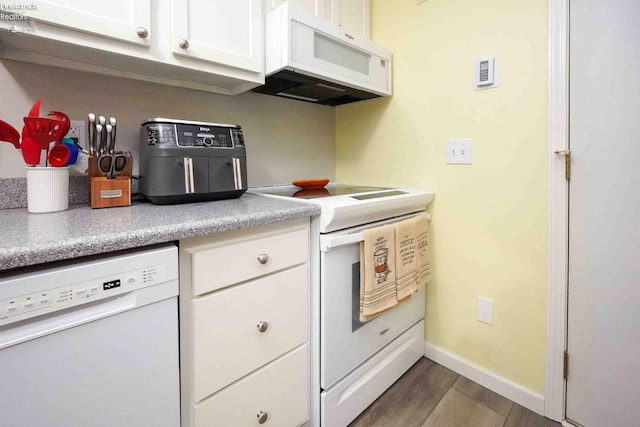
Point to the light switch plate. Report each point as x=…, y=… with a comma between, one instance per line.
x=485, y=310
x=459, y=151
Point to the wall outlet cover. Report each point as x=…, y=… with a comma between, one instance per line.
x=459, y=151
x=77, y=132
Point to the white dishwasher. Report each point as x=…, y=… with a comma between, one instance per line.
x=92, y=342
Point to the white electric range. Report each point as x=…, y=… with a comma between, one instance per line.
x=353, y=362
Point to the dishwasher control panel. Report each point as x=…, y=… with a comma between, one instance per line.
x=54, y=299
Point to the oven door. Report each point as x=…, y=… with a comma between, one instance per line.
x=345, y=342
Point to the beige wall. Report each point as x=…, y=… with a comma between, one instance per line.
x=489, y=228
x=286, y=139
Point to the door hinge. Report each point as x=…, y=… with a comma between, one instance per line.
x=567, y=162
x=565, y=367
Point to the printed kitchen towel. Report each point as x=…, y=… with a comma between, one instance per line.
x=406, y=273
x=377, y=271
x=423, y=251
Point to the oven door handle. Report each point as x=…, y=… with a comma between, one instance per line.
x=336, y=242
x=328, y=242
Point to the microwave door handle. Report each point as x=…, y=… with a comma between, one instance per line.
x=339, y=241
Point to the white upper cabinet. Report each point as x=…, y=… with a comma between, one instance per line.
x=352, y=15
x=227, y=32
x=124, y=20
x=210, y=45
x=321, y=8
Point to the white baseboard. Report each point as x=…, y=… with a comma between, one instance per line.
x=512, y=391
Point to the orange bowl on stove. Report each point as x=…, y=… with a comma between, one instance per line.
x=311, y=183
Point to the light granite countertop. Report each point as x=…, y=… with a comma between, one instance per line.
x=29, y=239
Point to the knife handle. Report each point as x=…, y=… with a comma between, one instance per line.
x=91, y=133
x=108, y=138
x=99, y=135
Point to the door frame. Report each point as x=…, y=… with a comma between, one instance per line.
x=558, y=208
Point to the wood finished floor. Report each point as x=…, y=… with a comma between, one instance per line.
x=430, y=395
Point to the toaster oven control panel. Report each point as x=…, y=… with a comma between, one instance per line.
x=192, y=135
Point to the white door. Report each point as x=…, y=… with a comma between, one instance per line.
x=227, y=32
x=123, y=20
x=603, y=386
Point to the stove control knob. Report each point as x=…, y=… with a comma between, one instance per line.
x=263, y=259
x=207, y=141
x=262, y=417
x=262, y=326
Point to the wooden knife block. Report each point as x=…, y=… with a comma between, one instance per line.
x=109, y=193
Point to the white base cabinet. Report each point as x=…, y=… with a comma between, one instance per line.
x=215, y=46
x=244, y=333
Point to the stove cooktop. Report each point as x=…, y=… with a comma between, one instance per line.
x=343, y=206
x=314, y=193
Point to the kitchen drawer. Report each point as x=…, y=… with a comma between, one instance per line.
x=227, y=342
x=281, y=390
x=224, y=265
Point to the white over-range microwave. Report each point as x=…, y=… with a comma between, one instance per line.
x=311, y=59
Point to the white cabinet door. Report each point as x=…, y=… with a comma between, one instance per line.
x=227, y=32
x=352, y=15
x=320, y=8
x=123, y=20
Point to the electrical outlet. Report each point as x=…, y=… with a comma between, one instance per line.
x=77, y=133
x=459, y=151
x=485, y=310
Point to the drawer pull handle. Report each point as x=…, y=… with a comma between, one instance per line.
x=184, y=44
x=384, y=331
x=262, y=417
x=262, y=326
x=263, y=259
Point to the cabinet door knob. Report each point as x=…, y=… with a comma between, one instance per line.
x=263, y=259
x=184, y=44
x=262, y=417
x=142, y=32
x=262, y=326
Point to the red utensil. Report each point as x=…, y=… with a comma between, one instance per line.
x=64, y=119
x=44, y=130
x=31, y=150
x=59, y=155
x=9, y=133
x=35, y=110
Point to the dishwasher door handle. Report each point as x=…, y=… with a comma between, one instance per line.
x=58, y=321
